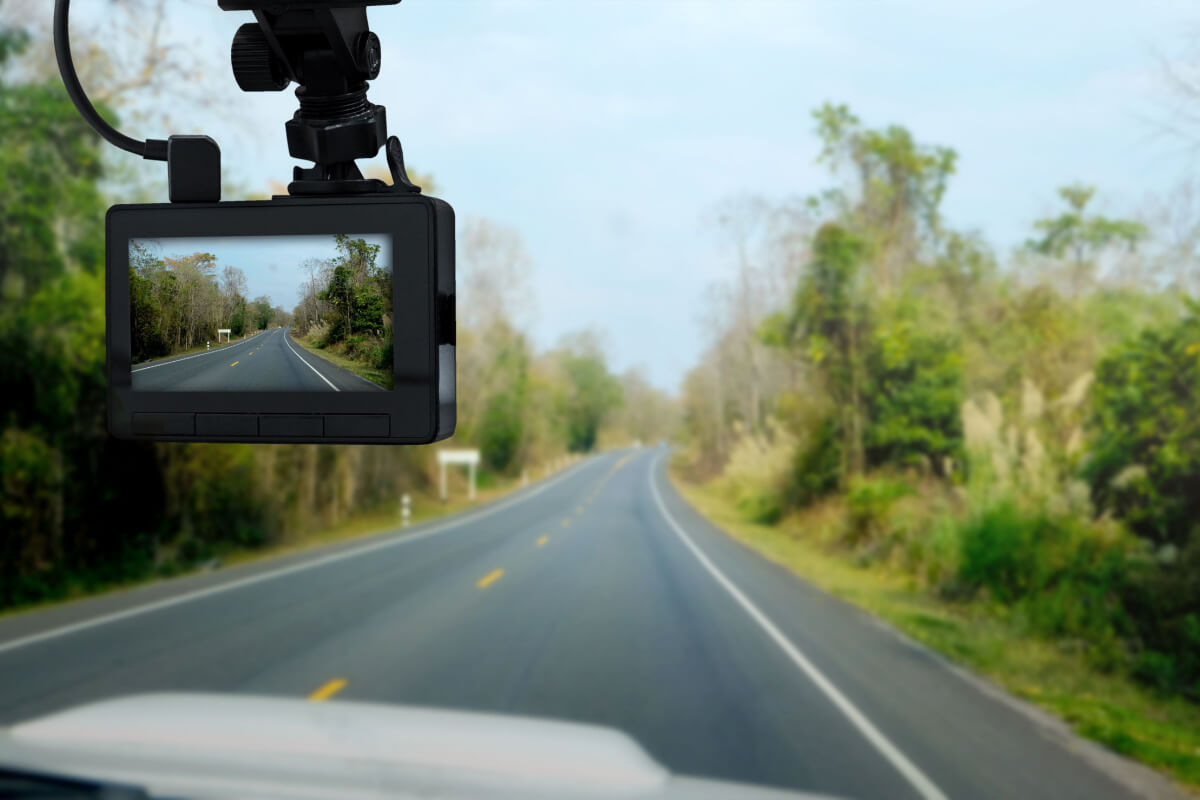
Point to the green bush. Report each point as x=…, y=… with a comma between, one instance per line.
x=1066, y=576
x=763, y=507
x=998, y=551
x=354, y=346
x=1145, y=432
x=868, y=504
x=914, y=397
x=382, y=356
x=1163, y=598
x=817, y=466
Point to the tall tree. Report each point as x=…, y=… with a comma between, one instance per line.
x=900, y=184
x=1081, y=236
x=829, y=322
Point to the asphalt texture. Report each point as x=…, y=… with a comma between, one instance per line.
x=270, y=361
x=597, y=595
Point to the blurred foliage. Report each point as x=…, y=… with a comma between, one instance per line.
x=913, y=396
x=1145, y=417
x=592, y=394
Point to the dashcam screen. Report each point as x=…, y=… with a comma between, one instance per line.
x=261, y=313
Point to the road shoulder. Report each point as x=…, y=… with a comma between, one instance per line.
x=956, y=639
x=20, y=624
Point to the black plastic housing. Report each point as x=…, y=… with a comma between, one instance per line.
x=420, y=408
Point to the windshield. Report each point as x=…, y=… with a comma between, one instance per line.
x=827, y=383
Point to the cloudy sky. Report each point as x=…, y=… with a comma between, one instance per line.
x=604, y=130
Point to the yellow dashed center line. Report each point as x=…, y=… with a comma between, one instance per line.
x=328, y=690
x=234, y=364
x=542, y=541
x=566, y=523
x=578, y=509
x=490, y=578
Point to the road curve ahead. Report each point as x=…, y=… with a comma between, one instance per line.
x=269, y=361
x=597, y=596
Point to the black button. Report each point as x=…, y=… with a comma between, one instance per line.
x=227, y=425
x=354, y=425
x=164, y=424
x=292, y=425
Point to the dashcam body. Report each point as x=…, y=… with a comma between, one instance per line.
x=372, y=267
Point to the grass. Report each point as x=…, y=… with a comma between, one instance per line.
x=1160, y=731
x=373, y=374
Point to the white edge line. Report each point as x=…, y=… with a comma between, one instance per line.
x=197, y=594
x=917, y=779
x=370, y=383
x=310, y=366
x=185, y=358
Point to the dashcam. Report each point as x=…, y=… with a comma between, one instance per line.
x=314, y=319
x=325, y=315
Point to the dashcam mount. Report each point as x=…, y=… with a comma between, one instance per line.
x=328, y=49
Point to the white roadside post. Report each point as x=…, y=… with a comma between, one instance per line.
x=467, y=458
x=405, y=509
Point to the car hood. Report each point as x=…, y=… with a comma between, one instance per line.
x=237, y=746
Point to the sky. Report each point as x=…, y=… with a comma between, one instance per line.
x=606, y=131
x=273, y=265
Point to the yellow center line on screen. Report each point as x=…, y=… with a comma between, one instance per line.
x=490, y=578
x=542, y=541
x=566, y=523
x=328, y=690
x=234, y=364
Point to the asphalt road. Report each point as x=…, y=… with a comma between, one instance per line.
x=266, y=362
x=597, y=595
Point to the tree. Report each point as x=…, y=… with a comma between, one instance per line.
x=592, y=393
x=357, y=291
x=1082, y=236
x=914, y=395
x=828, y=321
x=262, y=312
x=1145, y=431
x=501, y=431
x=52, y=214
x=900, y=187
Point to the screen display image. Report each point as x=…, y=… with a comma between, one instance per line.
x=261, y=313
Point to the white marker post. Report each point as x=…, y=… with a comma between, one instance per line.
x=405, y=510
x=467, y=458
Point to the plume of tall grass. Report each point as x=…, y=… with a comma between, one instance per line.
x=758, y=469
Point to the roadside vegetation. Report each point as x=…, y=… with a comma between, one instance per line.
x=1013, y=439
x=345, y=311
x=179, y=303
x=991, y=640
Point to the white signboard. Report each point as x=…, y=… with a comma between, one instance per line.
x=464, y=457
x=228, y=334
x=467, y=458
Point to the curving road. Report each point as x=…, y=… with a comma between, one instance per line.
x=269, y=361
x=599, y=596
